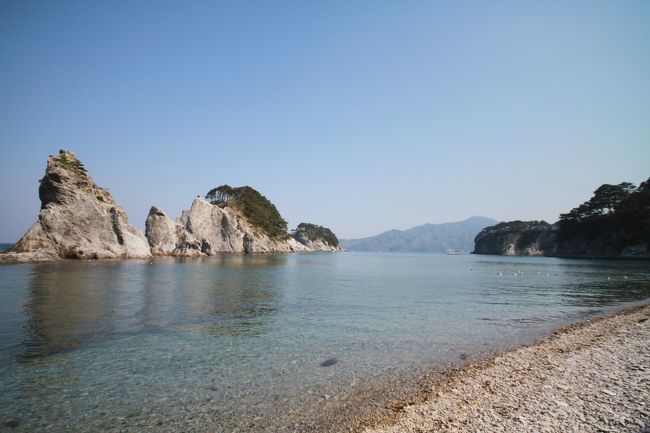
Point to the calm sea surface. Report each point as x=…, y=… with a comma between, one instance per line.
x=236, y=342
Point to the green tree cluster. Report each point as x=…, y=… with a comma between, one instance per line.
x=70, y=164
x=257, y=209
x=620, y=212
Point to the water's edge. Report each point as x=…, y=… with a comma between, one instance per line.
x=384, y=405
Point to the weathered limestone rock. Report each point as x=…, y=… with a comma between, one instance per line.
x=78, y=219
x=317, y=245
x=209, y=229
x=168, y=238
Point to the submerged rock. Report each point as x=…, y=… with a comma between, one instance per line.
x=12, y=423
x=78, y=220
x=329, y=362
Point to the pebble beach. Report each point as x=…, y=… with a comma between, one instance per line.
x=589, y=377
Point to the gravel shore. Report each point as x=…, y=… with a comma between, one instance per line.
x=591, y=377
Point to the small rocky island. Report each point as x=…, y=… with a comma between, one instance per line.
x=80, y=220
x=315, y=237
x=613, y=223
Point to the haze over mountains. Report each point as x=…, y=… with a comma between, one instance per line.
x=427, y=238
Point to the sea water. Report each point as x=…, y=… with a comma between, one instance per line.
x=238, y=342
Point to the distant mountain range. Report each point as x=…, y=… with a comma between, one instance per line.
x=427, y=238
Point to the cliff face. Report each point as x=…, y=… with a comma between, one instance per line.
x=78, y=219
x=207, y=229
x=517, y=238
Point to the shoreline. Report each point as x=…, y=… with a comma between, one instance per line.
x=550, y=385
x=569, y=256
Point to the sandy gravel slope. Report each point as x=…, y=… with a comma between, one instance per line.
x=593, y=377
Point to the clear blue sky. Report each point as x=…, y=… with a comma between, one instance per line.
x=358, y=115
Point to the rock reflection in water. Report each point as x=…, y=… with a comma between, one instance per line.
x=71, y=304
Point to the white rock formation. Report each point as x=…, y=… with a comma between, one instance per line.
x=78, y=219
x=209, y=229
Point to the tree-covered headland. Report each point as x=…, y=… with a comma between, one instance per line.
x=257, y=209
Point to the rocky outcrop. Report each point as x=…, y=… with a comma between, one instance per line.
x=207, y=229
x=167, y=238
x=78, y=220
x=517, y=238
x=316, y=245
x=316, y=238
x=614, y=223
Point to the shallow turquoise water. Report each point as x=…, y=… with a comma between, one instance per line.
x=235, y=342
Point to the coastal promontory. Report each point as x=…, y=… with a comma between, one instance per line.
x=517, y=238
x=613, y=223
x=80, y=220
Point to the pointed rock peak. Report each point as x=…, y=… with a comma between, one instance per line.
x=199, y=200
x=65, y=179
x=78, y=219
x=156, y=211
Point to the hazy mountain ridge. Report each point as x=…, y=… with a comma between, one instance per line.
x=426, y=238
